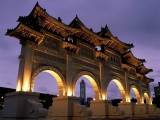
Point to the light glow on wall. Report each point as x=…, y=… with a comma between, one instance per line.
x=18, y=87
x=95, y=87
x=69, y=92
x=122, y=91
x=128, y=99
x=103, y=97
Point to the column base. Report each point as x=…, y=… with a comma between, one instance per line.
x=68, y=108
x=104, y=109
x=23, y=105
x=133, y=110
x=153, y=111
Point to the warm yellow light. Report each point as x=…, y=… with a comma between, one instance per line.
x=18, y=87
x=103, y=97
x=25, y=88
x=26, y=82
x=59, y=82
x=128, y=99
x=69, y=93
x=94, y=99
x=142, y=100
x=95, y=87
x=122, y=91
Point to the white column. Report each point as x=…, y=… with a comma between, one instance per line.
x=25, y=66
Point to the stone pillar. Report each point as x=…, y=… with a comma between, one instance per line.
x=103, y=89
x=127, y=90
x=69, y=88
x=25, y=66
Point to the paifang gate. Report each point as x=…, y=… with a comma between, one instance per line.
x=70, y=51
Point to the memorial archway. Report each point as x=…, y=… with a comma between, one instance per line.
x=121, y=89
x=90, y=77
x=55, y=73
x=137, y=94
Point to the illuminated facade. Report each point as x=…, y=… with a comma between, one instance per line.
x=69, y=51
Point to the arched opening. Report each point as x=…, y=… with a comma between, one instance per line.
x=46, y=83
x=92, y=89
x=90, y=95
x=115, y=90
x=133, y=96
x=146, y=98
x=53, y=75
x=134, y=90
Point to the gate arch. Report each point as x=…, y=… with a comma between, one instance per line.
x=145, y=95
x=135, y=90
x=121, y=88
x=55, y=73
x=92, y=79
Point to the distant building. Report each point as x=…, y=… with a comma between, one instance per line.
x=45, y=99
x=157, y=90
x=156, y=100
x=82, y=92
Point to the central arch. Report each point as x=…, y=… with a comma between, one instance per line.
x=121, y=88
x=89, y=76
x=55, y=73
x=135, y=90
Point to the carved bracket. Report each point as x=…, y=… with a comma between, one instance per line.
x=101, y=55
x=70, y=47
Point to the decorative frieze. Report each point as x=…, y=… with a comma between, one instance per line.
x=40, y=56
x=51, y=43
x=83, y=63
x=114, y=60
x=86, y=52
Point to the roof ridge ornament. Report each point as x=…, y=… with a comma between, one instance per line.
x=106, y=27
x=76, y=18
x=37, y=4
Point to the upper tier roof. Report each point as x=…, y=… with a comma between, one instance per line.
x=39, y=18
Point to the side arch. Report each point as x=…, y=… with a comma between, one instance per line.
x=55, y=73
x=118, y=82
x=137, y=93
x=92, y=80
x=146, y=95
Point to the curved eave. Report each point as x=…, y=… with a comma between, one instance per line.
x=149, y=80
x=143, y=70
x=106, y=33
x=87, y=34
x=130, y=58
x=114, y=42
x=125, y=45
x=49, y=22
x=22, y=31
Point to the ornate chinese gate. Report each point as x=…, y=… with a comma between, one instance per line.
x=70, y=51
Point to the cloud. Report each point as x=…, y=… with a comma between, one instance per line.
x=43, y=89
